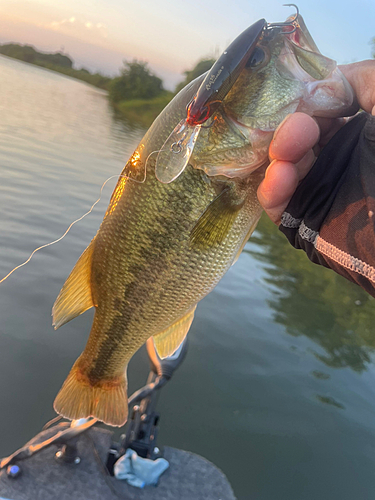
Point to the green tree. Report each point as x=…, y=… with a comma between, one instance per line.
x=28, y=54
x=136, y=82
x=201, y=67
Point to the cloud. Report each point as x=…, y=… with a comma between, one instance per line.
x=77, y=27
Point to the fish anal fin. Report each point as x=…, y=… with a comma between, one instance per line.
x=105, y=400
x=75, y=296
x=168, y=341
x=216, y=221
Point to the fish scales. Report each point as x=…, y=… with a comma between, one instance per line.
x=154, y=264
x=162, y=247
x=145, y=276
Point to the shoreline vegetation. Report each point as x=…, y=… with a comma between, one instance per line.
x=136, y=94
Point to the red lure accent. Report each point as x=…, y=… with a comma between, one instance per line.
x=197, y=116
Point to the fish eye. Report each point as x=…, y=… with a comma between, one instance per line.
x=256, y=58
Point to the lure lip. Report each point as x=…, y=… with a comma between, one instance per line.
x=214, y=87
x=223, y=74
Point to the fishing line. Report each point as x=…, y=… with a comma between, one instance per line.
x=66, y=232
x=83, y=216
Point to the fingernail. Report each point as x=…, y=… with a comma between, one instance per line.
x=278, y=128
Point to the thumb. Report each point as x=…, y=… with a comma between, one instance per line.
x=361, y=76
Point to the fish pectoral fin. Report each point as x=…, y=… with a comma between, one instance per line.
x=216, y=221
x=169, y=340
x=246, y=239
x=75, y=296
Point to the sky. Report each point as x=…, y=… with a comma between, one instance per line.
x=172, y=35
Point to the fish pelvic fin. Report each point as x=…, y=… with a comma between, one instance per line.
x=168, y=341
x=216, y=221
x=105, y=400
x=75, y=296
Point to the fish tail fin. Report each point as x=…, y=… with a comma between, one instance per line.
x=105, y=400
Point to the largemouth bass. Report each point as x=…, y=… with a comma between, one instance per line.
x=163, y=246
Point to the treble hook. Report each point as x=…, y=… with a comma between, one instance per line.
x=293, y=22
x=296, y=7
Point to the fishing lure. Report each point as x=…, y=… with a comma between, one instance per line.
x=178, y=148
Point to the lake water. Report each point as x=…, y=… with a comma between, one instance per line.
x=278, y=388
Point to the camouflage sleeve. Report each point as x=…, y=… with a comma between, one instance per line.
x=331, y=216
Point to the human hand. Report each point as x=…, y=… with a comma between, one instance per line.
x=299, y=138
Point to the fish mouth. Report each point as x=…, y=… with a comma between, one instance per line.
x=336, y=94
x=326, y=92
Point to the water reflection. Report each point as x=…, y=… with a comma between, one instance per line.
x=313, y=301
x=329, y=400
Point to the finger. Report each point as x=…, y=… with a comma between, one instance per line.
x=277, y=188
x=361, y=76
x=328, y=128
x=294, y=137
x=304, y=166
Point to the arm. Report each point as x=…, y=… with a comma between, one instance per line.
x=327, y=210
x=299, y=137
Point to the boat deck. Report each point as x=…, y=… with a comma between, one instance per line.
x=189, y=476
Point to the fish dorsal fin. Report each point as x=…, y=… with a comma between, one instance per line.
x=168, y=341
x=216, y=221
x=75, y=296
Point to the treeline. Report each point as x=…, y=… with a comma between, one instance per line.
x=55, y=62
x=136, y=93
x=139, y=95
x=28, y=54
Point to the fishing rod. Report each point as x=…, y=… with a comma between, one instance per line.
x=142, y=431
